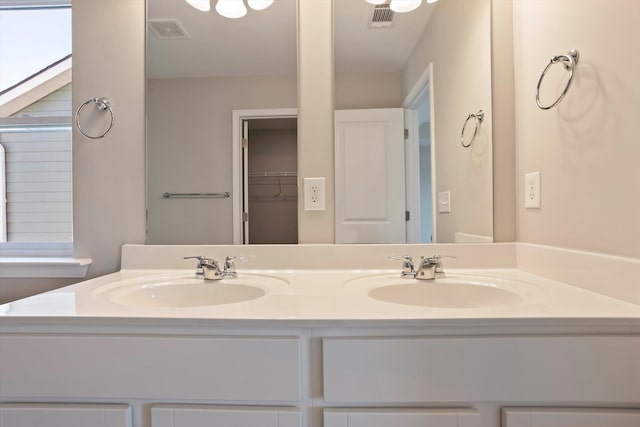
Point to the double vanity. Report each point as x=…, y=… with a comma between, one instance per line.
x=320, y=335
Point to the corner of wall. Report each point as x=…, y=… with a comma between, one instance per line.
x=503, y=101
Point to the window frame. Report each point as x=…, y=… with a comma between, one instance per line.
x=37, y=259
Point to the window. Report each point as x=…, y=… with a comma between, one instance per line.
x=35, y=128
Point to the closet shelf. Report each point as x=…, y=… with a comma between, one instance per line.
x=272, y=174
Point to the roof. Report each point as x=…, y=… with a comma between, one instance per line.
x=35, y=87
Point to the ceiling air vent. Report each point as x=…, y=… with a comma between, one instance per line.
x=382, y=16
x=167, y=29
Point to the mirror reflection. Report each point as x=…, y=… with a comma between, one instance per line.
x=201, y=67
x=433, y=64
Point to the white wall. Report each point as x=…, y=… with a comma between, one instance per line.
x=368, y=90
x=189, y=133
x=108, y=174
x=315, y=115
x=461, y=85
x=586, y=149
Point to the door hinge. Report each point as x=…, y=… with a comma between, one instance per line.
x=245, y=216
x=407, y=215
x=406, y=134
x=245, y=142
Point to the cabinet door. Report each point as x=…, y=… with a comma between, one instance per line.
x=63, y=415
x=223, y=416
x=559, y=417
x=401, y=418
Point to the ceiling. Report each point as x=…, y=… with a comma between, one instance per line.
x=264, y=42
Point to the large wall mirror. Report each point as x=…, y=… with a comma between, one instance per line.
x=202, y=66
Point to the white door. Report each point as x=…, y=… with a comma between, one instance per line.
x=369, y=188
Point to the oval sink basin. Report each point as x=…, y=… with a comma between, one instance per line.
x=180, y=291
x=452, y=292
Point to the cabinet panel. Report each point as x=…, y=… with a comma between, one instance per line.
x=63, y=415
x=202, y=368
x=401, y=418
x=559, y=417
x=214, y=416
x=471, y=369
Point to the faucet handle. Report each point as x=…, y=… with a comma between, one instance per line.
x=203, y=260
x=229, y=271
x=434, y=261
x=436, y=258
x=408, y=269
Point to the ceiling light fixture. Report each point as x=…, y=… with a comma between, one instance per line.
x=202, y=5
x=259, y=4
x=231, y=8
x=400, y=6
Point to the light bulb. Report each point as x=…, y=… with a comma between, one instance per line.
x=376, y=1
x=404, y=5
x=231, y=8
x=432, y=1
x=259, y=4
x=203, y=5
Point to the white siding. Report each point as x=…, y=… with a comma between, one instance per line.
x=57, y=103
x=38, y=176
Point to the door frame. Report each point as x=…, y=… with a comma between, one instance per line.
x=236, y=157
x=412, y=172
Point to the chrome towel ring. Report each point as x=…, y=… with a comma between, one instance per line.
x=570, y=60
x=478, y=117
x=102, y=104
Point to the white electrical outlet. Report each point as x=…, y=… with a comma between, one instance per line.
x=314, y=194
x=444, y=202
x=532, y=190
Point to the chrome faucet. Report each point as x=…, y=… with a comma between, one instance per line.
x=207, y=268
x=408, y=269
x=229, y=271
x=431, y=268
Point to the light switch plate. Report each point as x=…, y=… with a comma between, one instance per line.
x=532, y=190
x=444, y=202
x=314, y=194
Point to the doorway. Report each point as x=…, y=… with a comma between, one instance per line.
x=420, y=161
x=265, y=177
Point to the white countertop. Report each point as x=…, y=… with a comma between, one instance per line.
x=325, y=298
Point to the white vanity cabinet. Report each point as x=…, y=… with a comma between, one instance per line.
x=223, y=416
x=569, y=417
x=255, y=368
x=64, y=415
x=401, y=418
x=210, y=375
x=433, y=370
